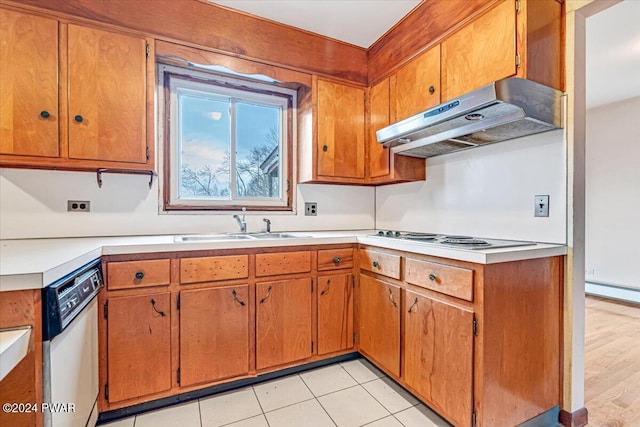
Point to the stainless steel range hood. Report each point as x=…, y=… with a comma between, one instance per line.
x=499, y=111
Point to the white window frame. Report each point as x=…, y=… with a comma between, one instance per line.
x=176, y=80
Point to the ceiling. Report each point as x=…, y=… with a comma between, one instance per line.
x=359, y=22
x=613, y=54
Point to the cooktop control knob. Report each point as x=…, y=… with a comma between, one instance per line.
x=396, y=234
x=380, y=233
x=389, y=233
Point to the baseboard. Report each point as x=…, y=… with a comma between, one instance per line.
x=577, y=418
x=607, y=290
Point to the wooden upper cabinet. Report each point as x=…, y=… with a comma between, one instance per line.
x=480, y=53
x=214, y=334
x=340, y=132
x=107, y=95
x=416, y=86
x=139, y=345
x=379, y=117
x=28, y=85
x=438, y=355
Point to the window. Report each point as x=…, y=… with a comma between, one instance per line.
x=228, y=142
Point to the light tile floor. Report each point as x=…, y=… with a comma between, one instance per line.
x=349, y=394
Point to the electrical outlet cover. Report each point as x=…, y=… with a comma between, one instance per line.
x=541, y=206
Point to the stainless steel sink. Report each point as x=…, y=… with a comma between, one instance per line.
x=274, y=236
x=211, y=237
x=233, y=236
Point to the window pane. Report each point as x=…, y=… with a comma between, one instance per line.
x=258, y=150
x=204, y=145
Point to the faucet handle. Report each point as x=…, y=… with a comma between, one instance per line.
x=268, y=221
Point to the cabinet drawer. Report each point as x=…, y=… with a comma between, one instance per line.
x=215, y=268
x=450, y=280
x=380, y=263
x=333, y=259
x=283, y=263
x=138, y=274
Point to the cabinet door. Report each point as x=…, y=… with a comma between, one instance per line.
x=107, y=95
x=480, y=53
x=417, y=84
x=214, y=334
x=380, y=322
x=283, y=322
x=340, y=130
x=438, y=355
x=138, y=345
x=28, y=85
x=379, y=156
x=335, y=313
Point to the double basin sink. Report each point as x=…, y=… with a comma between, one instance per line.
x=234, y=236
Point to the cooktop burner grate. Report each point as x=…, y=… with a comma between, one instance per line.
x=465, y=241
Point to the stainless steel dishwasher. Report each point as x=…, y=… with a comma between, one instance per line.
x=70, y=348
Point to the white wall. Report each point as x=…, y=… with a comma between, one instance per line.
x=486, y=191
x=613, y=194
x=33, y=204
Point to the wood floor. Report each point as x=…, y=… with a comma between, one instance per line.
x=612, y=363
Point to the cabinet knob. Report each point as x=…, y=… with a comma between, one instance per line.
x=140, y=275
x=432, y=277
x=44, y=114
x=375, y=264
x=78, y=118
x=325, y=147
x=336, y=259
x=432, y=90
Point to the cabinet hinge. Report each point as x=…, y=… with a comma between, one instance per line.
x=311, y=285
x=353, y=339
x=178, y=375
x=106, y=391
x=148, y=153
x=288, y=186
x=475, y=327
x=518, y=61
x=105, y=309
x=178, y=302
x=148, y=50
x=517, y=6
x=353, y=280
x=474, y=418
x=311, y=347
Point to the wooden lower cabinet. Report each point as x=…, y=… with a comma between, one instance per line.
x=139, y=345
x=438, y=355
x=335, y=313
x=380, y=322
x=283, y=322
x=214, y=334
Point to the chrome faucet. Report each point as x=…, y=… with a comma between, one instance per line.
x=268, y=221
x=242, y=223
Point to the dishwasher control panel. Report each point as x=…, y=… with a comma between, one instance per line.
x=64, y=299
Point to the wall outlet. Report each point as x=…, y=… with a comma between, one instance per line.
x=78, y=206
x=541, y=205
x=310, y=209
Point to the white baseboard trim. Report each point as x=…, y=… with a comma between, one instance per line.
x=611, y=291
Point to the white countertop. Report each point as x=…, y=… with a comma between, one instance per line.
x=35, y=263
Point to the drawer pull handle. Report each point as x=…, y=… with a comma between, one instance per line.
x=432, y=90
x=325, y=147
x=153, y=304
x=375, y=264
x=140, y=275
x=263, y=300
x=432, y=277
x=326, y=290
x=235, y=297
x=336, y=259
x=78, y=118
x=415, y=302
x=395, y=304
x=44, y=114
